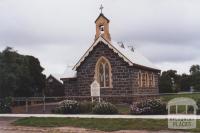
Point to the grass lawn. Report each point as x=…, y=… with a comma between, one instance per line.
x=123, y=109
x=100, y=124
x=166, y=98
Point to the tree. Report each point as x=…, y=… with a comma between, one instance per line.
x=20, y=75
x=169, y=82
x=7, y=76
x=165, y=84
x=185, y=82
x=194, y=69
x=195, y=77
x=36, y=71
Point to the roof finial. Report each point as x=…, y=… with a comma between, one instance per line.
x=101, y=8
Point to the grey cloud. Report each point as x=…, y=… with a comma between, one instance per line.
x=169, y=21
x=159, y=53
x=56, y=31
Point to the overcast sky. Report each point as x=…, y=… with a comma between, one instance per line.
x=57, y=32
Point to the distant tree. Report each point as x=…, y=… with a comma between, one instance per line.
x=195, y=77
x=194, y=69
x=20, y=75
x=169, y=82
x=8, y=79
x=165, y=84
x=35, y=69
x=185, y=82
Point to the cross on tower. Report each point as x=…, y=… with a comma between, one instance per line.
x=101, y=8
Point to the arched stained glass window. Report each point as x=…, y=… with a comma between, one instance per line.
x=147, y=79
x=107, y=78
x=139, y=79
x=103, y=72
x=101, y=75
x=143, y=79
x=151, y=80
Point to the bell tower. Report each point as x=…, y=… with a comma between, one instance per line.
x=102, y=26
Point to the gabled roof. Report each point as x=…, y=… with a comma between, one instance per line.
x=56, y=77
x=69, y=73
x=131, y=57
x=101, y=15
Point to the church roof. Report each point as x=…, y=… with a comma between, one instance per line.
x=56, y=77
x=132, y=57
x=69, y=73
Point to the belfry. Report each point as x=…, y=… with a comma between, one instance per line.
x=102, y=26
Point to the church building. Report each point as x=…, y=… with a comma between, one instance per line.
x=121, y=70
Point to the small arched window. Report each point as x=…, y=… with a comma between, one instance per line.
x=147, y=80
x=101, y=28
x=103, y=72
x=143, y=79
x=139, y=79
x=151, y=80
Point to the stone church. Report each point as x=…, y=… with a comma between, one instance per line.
x=121, y=70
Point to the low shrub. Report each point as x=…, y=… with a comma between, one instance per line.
x=5, y=105
x=198, y=105
x=148, y=107
x=104, y=108
x=86, y=106
x=74, y=107
x=67, y=107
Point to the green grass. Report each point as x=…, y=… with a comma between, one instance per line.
x=100, y=124
x=166, y=98
x=97, y=124
x=123, y=109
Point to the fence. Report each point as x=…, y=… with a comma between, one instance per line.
x=38, y=105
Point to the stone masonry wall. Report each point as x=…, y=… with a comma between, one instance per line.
x=124, y=77
x=71, y=87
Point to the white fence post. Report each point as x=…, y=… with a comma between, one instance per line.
x=26, y=105
x=44, y=109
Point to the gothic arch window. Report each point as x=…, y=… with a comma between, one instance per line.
x=143, y=79
x=139, y=79
x=103, y=72
x=147, y=79
x=154, y=82
x=151, y=80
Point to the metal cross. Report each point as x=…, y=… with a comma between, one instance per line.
x=101, y=8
